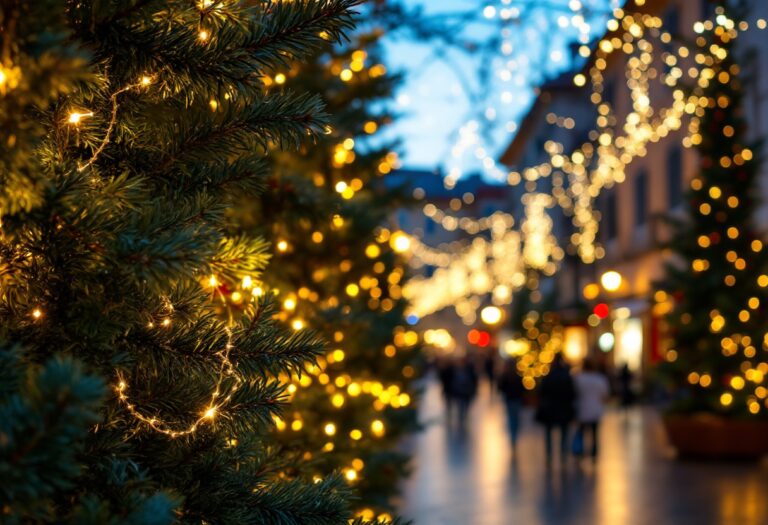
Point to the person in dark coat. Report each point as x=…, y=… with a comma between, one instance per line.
x=489, y=367
x=511, y=388
x=464, y=386
x=557, y=396
x=625, y=387
x=445, y=371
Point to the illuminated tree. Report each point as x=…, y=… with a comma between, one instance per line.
x=718, y=279
x=338, y=272
x=128, y=128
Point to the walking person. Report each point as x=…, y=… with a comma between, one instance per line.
x=489, y=367
x=557, y=395
x=626, y=394
x=592, y=391
x=511, y=388
x=445, y=372
x=464, y=387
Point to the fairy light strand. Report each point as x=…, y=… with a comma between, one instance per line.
x=75, y=117
x=208, y=413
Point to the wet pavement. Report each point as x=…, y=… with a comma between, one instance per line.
x=472, y=477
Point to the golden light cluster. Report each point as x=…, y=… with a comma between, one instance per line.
x=496, y=266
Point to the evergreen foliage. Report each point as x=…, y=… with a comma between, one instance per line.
x=129, y=129
x=331, y=204
x=717, y=279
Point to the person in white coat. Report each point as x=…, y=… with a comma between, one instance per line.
x=592, y=391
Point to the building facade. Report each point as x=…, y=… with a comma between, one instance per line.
x=632, y=226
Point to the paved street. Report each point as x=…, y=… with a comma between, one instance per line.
x=474, y=480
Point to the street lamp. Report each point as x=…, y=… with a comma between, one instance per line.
x=611, y=281
x=491, y=315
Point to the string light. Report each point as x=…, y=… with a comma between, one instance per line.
x=218, y=400
x=75, y=117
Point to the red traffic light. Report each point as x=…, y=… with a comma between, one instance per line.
x=601, y=310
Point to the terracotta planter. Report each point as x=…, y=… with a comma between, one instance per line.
x=708, y=436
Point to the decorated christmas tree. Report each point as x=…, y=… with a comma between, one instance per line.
x=129, y=128
x=337, y=271
x=718, y=278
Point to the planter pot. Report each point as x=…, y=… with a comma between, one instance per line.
x=708, y=436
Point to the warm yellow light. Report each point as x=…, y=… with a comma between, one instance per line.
x=611, y=280
x=337, y=400
x=351, y=475
x=372, y=251
x=280, y=78
x=203, y=35
x=210, y=413
x=491, y=315
x=289, y=304
x=591, y=291
x=726, y=399
x=282, y=246
x=400, y=242
x=297, y=324
x=37, y=313
x=330, y=429
x=377, y=427
x=356, y=434
x=75, y=117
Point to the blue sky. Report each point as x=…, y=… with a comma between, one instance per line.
x=442, y=95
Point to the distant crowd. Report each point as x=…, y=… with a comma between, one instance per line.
x=564, y=400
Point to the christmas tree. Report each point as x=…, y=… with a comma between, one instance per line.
x=129, y=128
x=717, y=280
x=331, y=204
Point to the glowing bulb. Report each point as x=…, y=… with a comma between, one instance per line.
x=75, y=117
x=330, y=429
x=491, y=315
x=611, y=280
x=400, y=242
x=210, y=413
x=146, y=80
x=203, y=35
x=297, y=324
x=37, y=313
x=282, y=246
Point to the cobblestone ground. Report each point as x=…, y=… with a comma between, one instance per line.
x=472, y=477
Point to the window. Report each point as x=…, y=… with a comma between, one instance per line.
x=641, y=198
x=674, y=176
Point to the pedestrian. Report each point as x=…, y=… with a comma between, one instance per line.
x=556, y=410
x=626, y=394
x=592, y=391
x=511, y=388
x=445, y=372
x=489, y=366
x=464, y=387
